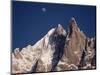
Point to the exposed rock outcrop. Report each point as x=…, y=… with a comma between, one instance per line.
x=58, y=50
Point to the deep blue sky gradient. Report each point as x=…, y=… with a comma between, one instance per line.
x=30, y=23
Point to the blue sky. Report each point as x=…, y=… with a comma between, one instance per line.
x=32, y=20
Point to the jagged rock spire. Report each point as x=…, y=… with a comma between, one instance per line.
x=59, y=25
x=73, y=22
x=57, y=51
x=73, y=25
x=60, y=30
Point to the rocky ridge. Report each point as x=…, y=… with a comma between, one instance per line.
x=58, y=50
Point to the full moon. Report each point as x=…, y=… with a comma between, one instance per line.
x=44, y=9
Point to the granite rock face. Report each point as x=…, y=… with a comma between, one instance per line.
x=58, y=50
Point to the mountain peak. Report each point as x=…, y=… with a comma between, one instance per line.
x=73, y=25
x=73, y=19
x=59, y=26
x=60, y=30
x=58, y=50
x=73, y=22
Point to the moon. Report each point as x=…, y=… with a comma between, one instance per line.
x=44, y=9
